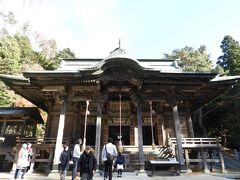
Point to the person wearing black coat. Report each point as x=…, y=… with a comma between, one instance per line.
x=87, y=164
x=120, y=162
x=64, y=162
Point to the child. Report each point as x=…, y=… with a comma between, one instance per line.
x=120, y=163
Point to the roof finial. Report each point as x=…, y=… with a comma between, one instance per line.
x=119, y=43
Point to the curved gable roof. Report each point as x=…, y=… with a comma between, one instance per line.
x=118, y=58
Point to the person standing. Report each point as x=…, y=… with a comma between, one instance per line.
x=120, y=162
x=87, y=164
x=22, y=161
x=30, y=153
x=64, y=162
x=110, y=149
x=76, y=156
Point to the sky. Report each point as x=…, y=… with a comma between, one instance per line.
x=147, y=28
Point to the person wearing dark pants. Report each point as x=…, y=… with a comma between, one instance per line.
x=64, y=162
x=109, y=151
x=76, y=156
x=108, y=169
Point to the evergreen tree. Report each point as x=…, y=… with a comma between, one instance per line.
x=192, y=60
x=10, y=53
x=230, y=60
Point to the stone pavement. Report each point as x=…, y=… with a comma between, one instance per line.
x=133, y=176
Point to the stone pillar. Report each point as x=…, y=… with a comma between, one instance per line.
x=187, y=161
x=58, y=146
x=98, y=133
x=223, y=170
x=140, y=136
x=135, y=136
x=204, y=161
x=177, y=132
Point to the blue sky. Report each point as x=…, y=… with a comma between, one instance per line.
x=147, y=28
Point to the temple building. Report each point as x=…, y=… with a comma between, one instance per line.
x=140, y=103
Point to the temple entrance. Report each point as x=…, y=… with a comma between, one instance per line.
x=114, y=133
x=147, y=135
x=91, y=135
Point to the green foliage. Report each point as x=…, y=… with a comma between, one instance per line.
x=190, y=59
x=16, y=52
x=226, y=108
x=224, y=119
x=65, y=53
x=47, y=64
x=9, y=55
x=6, y=99
x=219, y=70
x=40, y=131
x=26, y=51
x=230, y=60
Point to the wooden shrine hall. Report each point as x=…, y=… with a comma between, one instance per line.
x=140, y=103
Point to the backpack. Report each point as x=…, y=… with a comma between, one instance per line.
x=109, y=156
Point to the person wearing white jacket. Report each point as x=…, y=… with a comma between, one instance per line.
x=111, y=149
x=22, y=161
x=76, y=155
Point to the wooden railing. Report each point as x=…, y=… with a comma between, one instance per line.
x=198, y=142
x=36, y=141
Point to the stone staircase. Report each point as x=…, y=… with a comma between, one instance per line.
x=166, y=152
x=230, y=161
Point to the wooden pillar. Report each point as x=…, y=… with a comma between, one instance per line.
x=48, y=122
x=177, y=132
x=3, y=128
x=50, y=158
x=98, y=133
x=189, y=121
x=34, y=130
x=140, y=136
x=23, y=128
x=132, y=120
x=201, y=123
x=204, y=161
x=33, y=158
x=58, y=146
x=187, y=161
x=74, y=125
